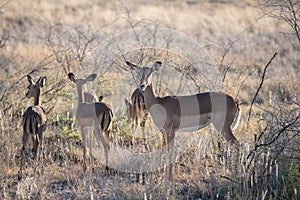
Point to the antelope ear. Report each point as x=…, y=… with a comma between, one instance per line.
x=91, y=77
x=131, y=65
x=71, y=76
x=29, y=78
x=156, y=65
x=42, y=81
x=149, y=86
x=142, y=87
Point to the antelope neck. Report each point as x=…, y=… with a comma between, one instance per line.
x=150, y=97
x=38, y=98
x=80, y=95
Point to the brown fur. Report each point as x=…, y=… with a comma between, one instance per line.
x=137, y=109
x=89, y=113
x=34, y=120
x=175, y=113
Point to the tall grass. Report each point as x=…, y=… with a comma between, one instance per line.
x=48, y=38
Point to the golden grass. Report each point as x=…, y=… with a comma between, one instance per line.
x=207, y=169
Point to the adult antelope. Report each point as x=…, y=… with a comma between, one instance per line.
x=97, y=115
x=190, y=113
x=34, y=120
x=136, y=108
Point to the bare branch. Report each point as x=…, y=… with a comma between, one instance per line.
x=279, y=132
x=259, y=87
x=4, y=38
x=286, y=11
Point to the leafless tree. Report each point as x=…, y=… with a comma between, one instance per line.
x=70, y=45
x=287, y=11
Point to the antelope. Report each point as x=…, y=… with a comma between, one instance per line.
x=34, y=120
x=97, y=115
x=136, y=108
x=190, y=113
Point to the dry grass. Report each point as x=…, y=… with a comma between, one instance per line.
x=237, y=39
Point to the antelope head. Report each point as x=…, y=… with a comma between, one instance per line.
x=34, y=87
x=80, y=84
x=142, y=74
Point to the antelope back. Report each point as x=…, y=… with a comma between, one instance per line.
x=34, y=119
x=138, y=101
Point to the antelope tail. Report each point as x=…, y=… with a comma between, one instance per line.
x=30, y=124
x=106, y=120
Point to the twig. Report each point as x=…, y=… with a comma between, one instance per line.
x=278, y=134
x=4, y=38
x=242, y=83
x=259, y=87
x=39, y=67
x=227, y=178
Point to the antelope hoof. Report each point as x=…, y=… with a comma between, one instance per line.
x=107, y=171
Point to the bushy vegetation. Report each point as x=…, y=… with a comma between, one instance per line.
x=235, y=39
